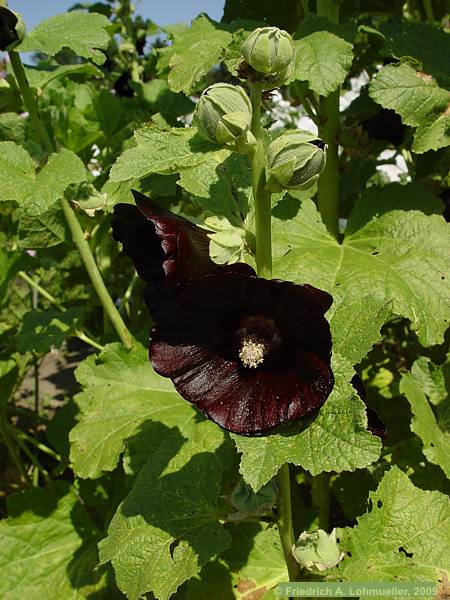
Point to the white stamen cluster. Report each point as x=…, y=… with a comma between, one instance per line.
x=253, y=350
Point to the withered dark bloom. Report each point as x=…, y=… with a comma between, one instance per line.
x=167, y=250
x=250, y=353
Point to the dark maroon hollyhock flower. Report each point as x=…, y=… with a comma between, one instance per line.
x=374, y=424
x=167, y=250
x=248, y=352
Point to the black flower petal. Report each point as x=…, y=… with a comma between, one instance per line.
x=8, y=33
x=167, y=250
x=248, y=352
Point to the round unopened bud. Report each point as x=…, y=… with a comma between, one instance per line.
x=295, y=160
x=268, y=50
x=224, y=114
x=317, y=551
x=12, y=29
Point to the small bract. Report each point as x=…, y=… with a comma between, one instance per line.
x=268, y=50
x=295, y=160
x=223, y=115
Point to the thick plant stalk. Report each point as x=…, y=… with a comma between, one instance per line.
x=74, y=226
x=328, y=188
x=263, y=230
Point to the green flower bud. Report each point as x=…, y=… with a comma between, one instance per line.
x=223, y=115
x=249, y=502
x=295, y=160
x=12, y=29
x=317, y=551
x=268, y=50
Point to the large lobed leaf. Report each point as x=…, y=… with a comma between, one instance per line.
x=394, y=259
x=80, y=31
x=167, y=528
x=195, y=50
x=405, y=536
x=419, y=101
x=120, y=393
x=48, y=547
x=163, y=152
x=37, y=192
x=323, y=60
x=336, y=440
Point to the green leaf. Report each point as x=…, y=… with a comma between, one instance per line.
x=253, y=565
x=40, y=77
x=336, y=440
x=8, y=378
x=431, y=378
x=17, y=168
x=121, y=392
x=37, y=193
x=167, y=527
x=436, y=443
x=323, y=60
x=390, y=257
x=61, y=170
x=82, y=32
x=47, y=547
x=12, y=127
x=40, y=330
x=194, y=52
x=423, y=42
x=404, y=537
x=163, y=152
x=44, y=231
x=221, y=184
x=419, y=101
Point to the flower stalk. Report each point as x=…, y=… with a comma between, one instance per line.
x=72, y=221
x=263, y=231
x=261, y=196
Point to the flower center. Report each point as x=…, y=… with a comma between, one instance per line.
x=252, y=351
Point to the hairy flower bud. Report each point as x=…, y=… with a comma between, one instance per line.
x=317, y=551
x=254, y=503
x=268, y=50
x=224, y=114
x=12, y=29
x=295, y=160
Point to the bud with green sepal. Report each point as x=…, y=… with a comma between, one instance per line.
x=268, y=50
x=248, y=502
x=12, y=29
x=223, y=115
x=317, y=551
x=295, y=160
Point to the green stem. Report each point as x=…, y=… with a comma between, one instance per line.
x=40, y=289
x=263, y=231
x=95, y=276
x=285, y=521
x=28, y=452
x=328, y=188
x=74, y=226
x=78, y=333
x=12, y=452
x=320, y=488
x=428, y=8
x=261, y=197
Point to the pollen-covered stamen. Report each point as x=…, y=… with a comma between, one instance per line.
x=253, y=350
